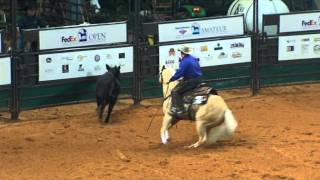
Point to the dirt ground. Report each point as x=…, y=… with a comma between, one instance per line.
x=278, y=138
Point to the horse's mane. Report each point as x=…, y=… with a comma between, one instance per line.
x=167, y=73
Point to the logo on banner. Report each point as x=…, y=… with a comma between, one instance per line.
x=68, y=40
x=195, y=27
x=97, y=58
x=67, y=58
x=223, y=55
x=214, y=30
x=109, y=56
x=48, y=59
x=65, y=68
x=97, y=68
x=204, y=48
x=182, y=30
x=82, y=34
x=309, y=24
x=305, y=39
x=81, y=57
x=218, y=47
x=80, y=68
x=49, y=71
x=122, y=55
x=237, y=45
x=290, y=48
x=236, y=55
x=291, y=41
x=316, y=49
x=316, y=39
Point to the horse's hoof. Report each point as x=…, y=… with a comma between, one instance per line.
x=165, y=142
x=191, y=146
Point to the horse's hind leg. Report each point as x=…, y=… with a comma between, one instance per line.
x=202, y=133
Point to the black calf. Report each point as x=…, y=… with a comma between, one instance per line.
x=107, y=91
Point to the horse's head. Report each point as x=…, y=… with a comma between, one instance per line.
x=114, y=70
x=165, y=76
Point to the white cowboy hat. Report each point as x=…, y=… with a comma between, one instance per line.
x=185, y=49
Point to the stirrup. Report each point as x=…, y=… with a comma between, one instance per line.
x=176, y=112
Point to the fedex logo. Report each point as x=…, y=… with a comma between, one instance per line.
x=309, y=23
x=68, y=39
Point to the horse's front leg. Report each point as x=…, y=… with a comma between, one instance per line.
x=167, y=123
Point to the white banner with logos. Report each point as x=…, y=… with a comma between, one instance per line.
x=227, y=26
x=77, y=36
x=84, y=63
x=211, y=53
x=0, y=43
x=299, y=22
x=299, y=47
x=5, y=71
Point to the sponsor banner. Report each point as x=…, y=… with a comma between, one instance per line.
x=227, y=26
x=211, y=53
x=0, y=42
x=5, y=71
x=84, y=63
x=299, y=22
x=299, y=47
x=77, y=36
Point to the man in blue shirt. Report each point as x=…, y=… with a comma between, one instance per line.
x=190, y=71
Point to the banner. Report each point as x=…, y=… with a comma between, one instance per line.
x=299, y=47
x=211, y=53
x=77, y=36
x=227, y=26
x=84, y=63
x=299, y=22
x=0, y=42
x=5, y=71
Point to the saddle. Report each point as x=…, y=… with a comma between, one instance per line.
x=199, y=95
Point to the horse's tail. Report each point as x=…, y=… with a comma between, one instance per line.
x=230, y=121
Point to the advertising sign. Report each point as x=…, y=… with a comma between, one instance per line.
x=5, y=71
x=300, y=22
x=84, y=63
x=77, y=36
x=227, y=26
x=211, y=53
x=0, y=43
x=299, y=47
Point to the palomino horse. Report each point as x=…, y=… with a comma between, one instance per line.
x=214, y=120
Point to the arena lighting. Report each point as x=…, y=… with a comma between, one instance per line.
x=265, y=7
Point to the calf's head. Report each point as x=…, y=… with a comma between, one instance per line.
x=114, y=70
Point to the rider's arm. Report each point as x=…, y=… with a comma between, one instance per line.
x=181, y=71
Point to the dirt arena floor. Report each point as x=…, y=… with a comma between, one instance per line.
x=278, y=138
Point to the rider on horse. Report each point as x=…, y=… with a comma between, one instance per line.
x=190, y=71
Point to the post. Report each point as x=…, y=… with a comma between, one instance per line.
x=14, y=58
x=136, y=62
x=255, y=47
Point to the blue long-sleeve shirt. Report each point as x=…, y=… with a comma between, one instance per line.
x=189, y=67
